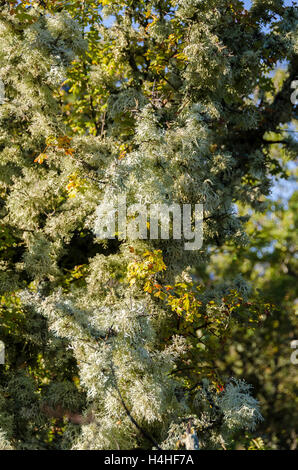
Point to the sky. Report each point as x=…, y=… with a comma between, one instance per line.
x=248, y=3
x=282, y=189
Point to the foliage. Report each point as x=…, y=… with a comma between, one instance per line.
x=269, y=264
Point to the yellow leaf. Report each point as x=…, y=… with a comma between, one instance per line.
x=41, y=158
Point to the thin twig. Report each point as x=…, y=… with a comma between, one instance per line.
x=145, y=434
